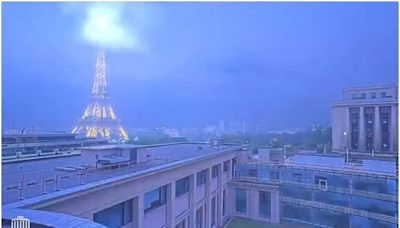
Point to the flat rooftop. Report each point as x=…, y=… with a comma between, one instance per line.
x=337, y=161
x=40, y=179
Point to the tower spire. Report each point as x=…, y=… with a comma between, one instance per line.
x=100, y=80
x=99, y=119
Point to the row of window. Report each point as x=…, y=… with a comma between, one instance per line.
x=264, y=202
x=121, y=214
x=115, y=216
x=327, y=218
x=356, y=96
x=200, y=211
x=157, y=197
x=322, y=179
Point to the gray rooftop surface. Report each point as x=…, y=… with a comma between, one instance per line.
x=33, y=173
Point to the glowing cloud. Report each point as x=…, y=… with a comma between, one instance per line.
x=103, y=27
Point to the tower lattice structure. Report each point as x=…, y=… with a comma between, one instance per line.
x=99, y=118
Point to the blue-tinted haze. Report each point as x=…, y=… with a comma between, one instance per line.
x=196, y=63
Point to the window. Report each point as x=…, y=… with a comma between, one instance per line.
x=182, y=186
x=373, y=95
x=253, y=172
x=363, y=96
x=383, y=94
x=155, y=198
x=240, y=199
x=264, y=204
x=353, y=96
x=297, y=177
x=199, y=218
x=237, y=174
x=214, y=171
x=225, y=168
x=115, y=216
x=384, y=113
x=274, y=175
x=322, y=183
x=181, y=224
x=201, y=177
x=354, y=127
x=213, y=211
x=223, y=202
x=233, y=166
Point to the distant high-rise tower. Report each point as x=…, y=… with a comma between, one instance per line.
x=99, y=119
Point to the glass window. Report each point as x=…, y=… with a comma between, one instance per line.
x=223, y=202
x=199, y=218
x=225, y=168
x=182, y=186
x=181, y=224
x=323, y=185
x=317, y=179
x=373, y=95
x=385, y=95
x=253, y=172
x=201, y=177
x=296, y=212
x=214, y=171
x=297, y=177
x=233, y=167
x=213, y=211
x=274, y=175
x=115, y=216
x=264, y=206
x=240, y=199
x=155, y=198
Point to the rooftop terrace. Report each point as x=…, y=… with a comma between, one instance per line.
x=33, y=181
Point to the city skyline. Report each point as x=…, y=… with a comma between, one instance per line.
x=291, y=55
x=200, y=115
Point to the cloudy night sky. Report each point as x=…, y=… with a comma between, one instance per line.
x=192, y=64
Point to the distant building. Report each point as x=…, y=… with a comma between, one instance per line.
x=315, y=190
x=26, y=145
x=366, y=119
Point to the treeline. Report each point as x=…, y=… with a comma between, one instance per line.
x=310, y=138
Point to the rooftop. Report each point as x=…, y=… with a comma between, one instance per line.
x=41, y=181
x=389, y=86
x=337, y=162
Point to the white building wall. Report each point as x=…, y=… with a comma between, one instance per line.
x=340, y=124
x=155, y=218
x=81, y=204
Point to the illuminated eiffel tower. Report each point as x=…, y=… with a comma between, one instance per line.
x=99, y=119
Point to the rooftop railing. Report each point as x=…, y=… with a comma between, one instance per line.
x=24, y=185
x=355, y=192
x=346, y=210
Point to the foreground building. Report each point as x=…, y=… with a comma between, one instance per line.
x=366, y=119
x=201, y=185
x=176, y=185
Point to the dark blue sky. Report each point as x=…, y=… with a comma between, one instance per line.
x=195, y=63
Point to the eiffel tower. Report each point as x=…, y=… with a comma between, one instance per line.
x=99, y=119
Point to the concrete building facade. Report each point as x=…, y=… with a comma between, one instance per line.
x=193, y=188
x=202, y=186
x=366, y=120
